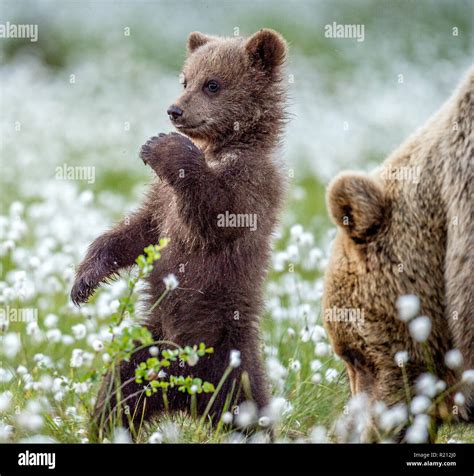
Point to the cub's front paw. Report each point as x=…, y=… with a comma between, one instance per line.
x=168, y=151
x=83, y=288
x=150, y=152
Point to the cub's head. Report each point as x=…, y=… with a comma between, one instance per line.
x=382, y=250
x=230, y=86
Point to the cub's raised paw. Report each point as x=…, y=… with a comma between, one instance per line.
x=168, y=149
x=149, y=149
x=82, y=290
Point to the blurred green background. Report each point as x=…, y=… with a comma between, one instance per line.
x=348, y=106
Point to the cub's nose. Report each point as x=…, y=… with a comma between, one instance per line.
x=174, y=112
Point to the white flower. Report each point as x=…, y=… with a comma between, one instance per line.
x=295, y=365
x=426, y=385
x=34, y=262
x=420, y=404
x=318, y=334
x=316, y=378
x=318, y=435
x=264, y=421
x=6, y=432
x=291, y=332
x=43, y=361
x=292, y=253
x=58, y=396
x=71, y=412
x=401, y=358
x=193, y=359
x=322, y=349
x=171, y=282
x=86, y=197
x=453, y=359
x=106, y=358
x=277, y=407
x=331, y=375
x=227, y=418
x=54, y=335
x=79, y=331
x=459, y=399
x=58, y=384
x=5, y=401
x=97, y=345
x=77, y=358
x=296, y=231
x=420, y=328
x=468, y=376
x=418, y=431
x=305, y=334
x=153, y=350
x=17, y=209
x=315, y=255
x=276, y=371
x=33, y=330
x=30, y=421
x=316, y=365
x=155, y=438
x=46, y=382
x=393, y=417
x=11, y=344
x=81, y=387
x=407, y=306
x=21, y=370
x=171, y=432
x=247, y=414
x=114, y=305
x=121, y=435
x=306, y=239
x=19, y=276
x=234, y=358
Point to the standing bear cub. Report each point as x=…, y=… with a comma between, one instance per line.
x=232, y=112
x=407, y=229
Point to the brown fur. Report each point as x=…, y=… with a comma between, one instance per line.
x=230, y=166
x=384, y=223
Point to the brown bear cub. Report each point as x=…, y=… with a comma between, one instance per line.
x=407, y=229
x=217, y=195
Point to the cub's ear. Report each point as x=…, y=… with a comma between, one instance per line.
x=357, y=205
x=267, y=49
x=197, y=39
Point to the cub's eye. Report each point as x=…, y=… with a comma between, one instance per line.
x=212, y=86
